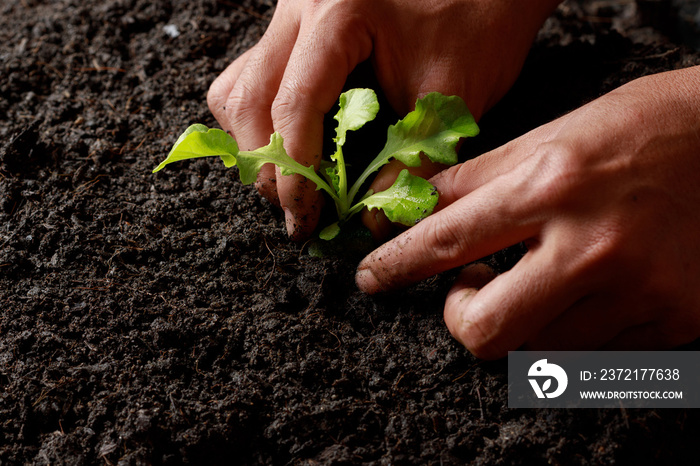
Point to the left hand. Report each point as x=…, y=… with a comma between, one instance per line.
x=294, y=75
x=607, y=198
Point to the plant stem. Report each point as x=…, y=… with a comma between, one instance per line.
x=375, y=165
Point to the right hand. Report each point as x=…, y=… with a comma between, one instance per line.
x=293, y=76
x=606, y=200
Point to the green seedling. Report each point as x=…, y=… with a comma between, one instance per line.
x=433, y=129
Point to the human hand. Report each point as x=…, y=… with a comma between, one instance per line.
x=294, y=75
x=606, y=199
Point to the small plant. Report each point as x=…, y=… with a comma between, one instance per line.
x=433, y=128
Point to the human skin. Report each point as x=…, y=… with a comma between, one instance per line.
x=606, y=199
x=294, y=75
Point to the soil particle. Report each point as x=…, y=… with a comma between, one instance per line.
x=168, y=319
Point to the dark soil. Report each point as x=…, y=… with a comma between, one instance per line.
x=167, y=319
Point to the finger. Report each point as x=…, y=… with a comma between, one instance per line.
x=412, y=64
x=332, y=41
x=375, y=220
x=467, y=284
x=514, y=306
x=248, y=104
x=438, y=75
x=491, y=218
x=250, y=85
x=222, y=86
x=379, y=226
x=459, y=180
x=217, y=98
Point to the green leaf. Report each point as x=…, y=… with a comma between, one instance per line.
x=333, y=177
x=200, y=141
x=433, y=128
x=250, y=163
x=410, y=199
x=330, y=232
x=357, y=107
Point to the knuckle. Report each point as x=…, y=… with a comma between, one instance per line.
x=445, y=241
x=291, y=102
x=555, y=174
x=239, y=101
x=216, y=96
x=605, y=245
x=612, y=256
x=284, y=104
x=598, y=257
x=243, y=104
x=477, y=335
x=282, y=112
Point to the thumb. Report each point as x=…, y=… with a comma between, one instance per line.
x=467, y=285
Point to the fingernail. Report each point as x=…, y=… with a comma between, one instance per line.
x=467, y=294
x=475, y=276
x=290, y=221
x=366, y=281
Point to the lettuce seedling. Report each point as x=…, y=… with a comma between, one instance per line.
x=433, y=129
